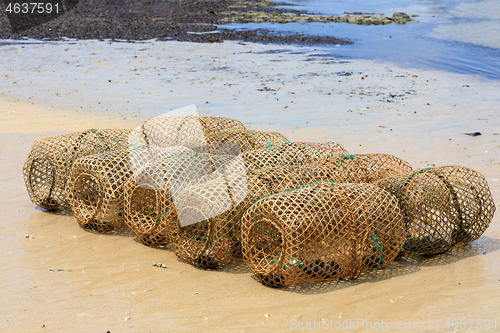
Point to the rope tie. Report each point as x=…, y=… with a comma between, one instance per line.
x=346, y=157
x=93, y=130
x=161, y=215
x=413, y=174
x=375, y=241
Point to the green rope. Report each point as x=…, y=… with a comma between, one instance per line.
x=346, y=158
x=253, y=207
x=96, y=129
x=192, y=167
x=161, y=215
x=375, y=240
x=409, y=178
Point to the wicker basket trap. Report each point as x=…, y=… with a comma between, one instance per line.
x=324, y=231
x=97, y=182
x=359, y=168
x=216, y=240
x=145, y=217
x=95, y=189
x=189, y=131
x=48, y=164
x=151, y=193
x=291, y=154
x=443, y=207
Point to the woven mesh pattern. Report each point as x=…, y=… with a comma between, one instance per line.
x=144, y=210
x=220, y=124
x=239, y=138
x=443, y=207
x=97, y=183
x=216, y=241
x=247, y=140
x=360, y=168
x=188, y=131
x=145, y=217
x=266, y=139
x=148, y=204
x=292, y=154
x=321, y=233
x=95, y=189
x=48, y=164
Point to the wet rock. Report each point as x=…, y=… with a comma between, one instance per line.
x=188, y=20
x=400, y=18
x=157, y=264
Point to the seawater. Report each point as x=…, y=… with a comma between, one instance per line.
x=456, y=36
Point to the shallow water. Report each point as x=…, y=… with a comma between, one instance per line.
x=457, y=36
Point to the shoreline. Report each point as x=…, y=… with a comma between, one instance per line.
x=66, y=278
x=187, y=20
x=300, y=91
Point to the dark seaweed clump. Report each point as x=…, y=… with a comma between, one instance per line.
x=135, y=20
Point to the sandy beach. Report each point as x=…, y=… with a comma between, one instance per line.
x=62, y=278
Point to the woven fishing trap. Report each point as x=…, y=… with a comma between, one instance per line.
x=48, y=164
x=216, y=206
x=149, y=208
x=97, y=182
x=359, y=168
x=291, y=154
x=189, y=131
x=150, y=195
x=217, y=240
x=199, y=132
x=443, y=207
x=247, y=140
x=95, y=189
x=324, y=231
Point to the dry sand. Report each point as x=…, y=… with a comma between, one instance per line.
x=67, y=279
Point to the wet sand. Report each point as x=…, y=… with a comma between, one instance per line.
x=67, y=279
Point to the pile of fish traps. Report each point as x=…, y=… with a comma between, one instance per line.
x=295, y=212
x=47, y=167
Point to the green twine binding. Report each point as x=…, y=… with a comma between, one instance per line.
x=375, y=240
x=192, y=167
x=161, y=215
x=96, y=129
x=253, y=207
x=421, y=170
x=346, y=158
